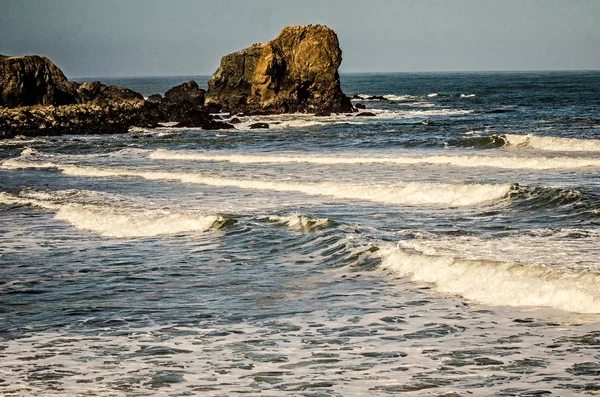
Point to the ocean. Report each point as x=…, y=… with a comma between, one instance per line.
x=446, y=245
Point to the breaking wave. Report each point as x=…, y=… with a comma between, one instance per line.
x=499, y=283
x=411, y=193
x=300, y=222
x=549, y=143
x=507, y=162
x=110, y=221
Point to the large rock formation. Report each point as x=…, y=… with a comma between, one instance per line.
x=296, y=72
x=32, y=80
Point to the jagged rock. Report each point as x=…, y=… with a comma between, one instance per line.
x=115, y=117
x=376, y=98
x=31, y=80
x=186, y=92
x=97, y=92
x=255, y=126
x=365, y=114
x=154, y=98
x=360, y=106
x=89, y=107
x=355, y=96
x=296, y=72
x=235, y=120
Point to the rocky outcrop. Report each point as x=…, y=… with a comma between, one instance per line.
x=102, y=117
x=186, y=92
x=37, y=99
x=89, y=118
x=97, y=92
x=32, y=80
x=296, y=72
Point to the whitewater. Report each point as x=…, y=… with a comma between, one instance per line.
x=445, y=246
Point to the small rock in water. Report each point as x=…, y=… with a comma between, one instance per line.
x=154, y=98
x=376, y=98
x=360, y=106
x=365, y=114
x=234, y=120
x=258, y=125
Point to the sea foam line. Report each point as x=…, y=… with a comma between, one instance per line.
x=549, y=143
x=505, y=162
x=121, y=222
x=411, y=193
x=498, y=283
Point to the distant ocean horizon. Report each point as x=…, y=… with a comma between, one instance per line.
x=148, y=85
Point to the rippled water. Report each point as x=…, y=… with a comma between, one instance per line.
x=446, y=246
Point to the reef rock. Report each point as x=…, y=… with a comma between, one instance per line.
x=37, y=99
x=32, y=80
x=98, y=92
x=186, y=92
x=296, y=72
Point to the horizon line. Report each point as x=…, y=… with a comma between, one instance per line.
x=357, y=73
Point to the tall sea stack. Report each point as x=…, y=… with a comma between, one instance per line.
x=296, y=72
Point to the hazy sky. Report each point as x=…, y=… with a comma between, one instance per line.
x=186, y=37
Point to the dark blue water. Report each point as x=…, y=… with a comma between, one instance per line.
x=447, y=245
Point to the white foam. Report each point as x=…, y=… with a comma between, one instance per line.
x=432, y=95
x=506, y=162
x=412, y=193
x=549, y=143
x=303, y=120
x=467, y=95
x=117, y=222
x=300, y=222
x=391, y=97
x=499, y=283
x=579, y=248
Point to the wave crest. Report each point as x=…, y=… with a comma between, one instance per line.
x=118, y=222
x=549, y=143
x=505, y=162
x=301, y=222
x=498, y=283
x=410, y=194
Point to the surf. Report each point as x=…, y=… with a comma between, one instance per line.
x=409, y=194
x=109, y=220
x=553, y=144
x=498, y=283
x=504, y=162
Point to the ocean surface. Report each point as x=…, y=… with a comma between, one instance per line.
x=448, y=245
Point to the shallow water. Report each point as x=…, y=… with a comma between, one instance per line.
x=445, y=247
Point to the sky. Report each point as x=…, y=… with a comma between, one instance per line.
x=185, y=37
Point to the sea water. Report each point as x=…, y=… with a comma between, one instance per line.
x=446, y=246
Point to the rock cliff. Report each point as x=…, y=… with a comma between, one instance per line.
x=296, y=72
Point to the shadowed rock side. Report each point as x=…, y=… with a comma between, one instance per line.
x=32, y=80
x=296, y=72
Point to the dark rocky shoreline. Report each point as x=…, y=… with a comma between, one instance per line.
x=296, y=72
